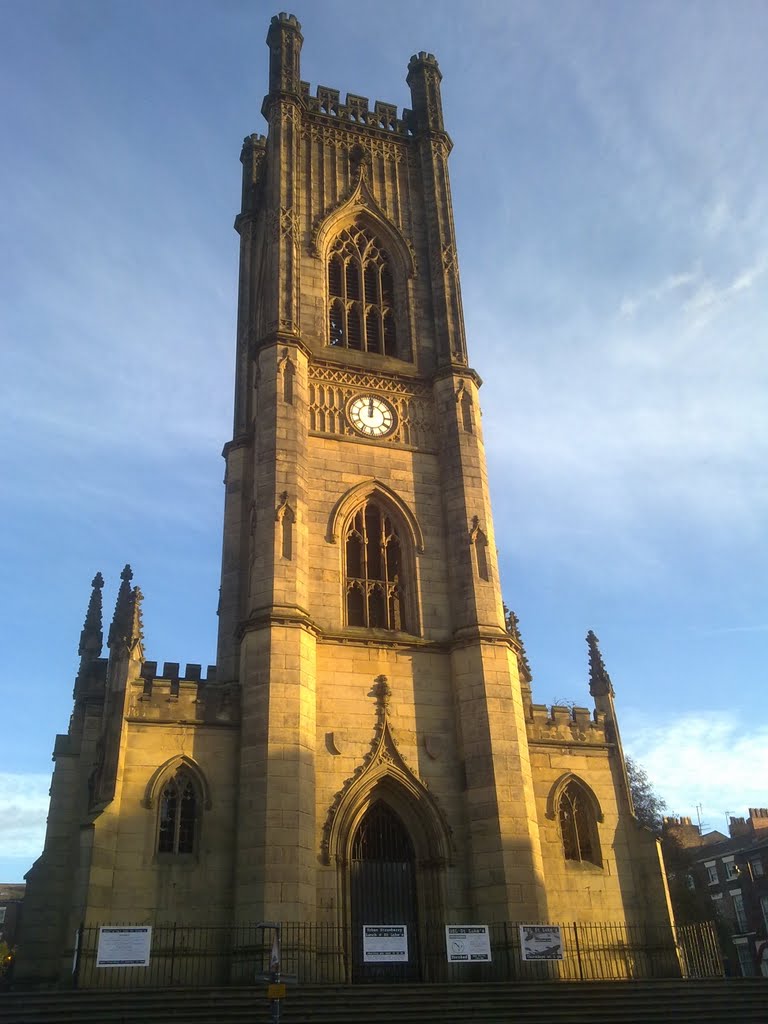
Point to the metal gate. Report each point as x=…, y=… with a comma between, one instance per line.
x=383, y=891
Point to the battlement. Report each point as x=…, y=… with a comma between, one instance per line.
x=286, y=19
x=570, y=725
x=422, y=57
x=355, y=109
x=169, y=696
x=193, y=673
x=674, y=821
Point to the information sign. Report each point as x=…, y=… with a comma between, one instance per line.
x=385, y=944
x=124, y=946
x=541, y=942
x=467, y=944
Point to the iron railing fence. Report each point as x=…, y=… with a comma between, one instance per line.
x=201, y=956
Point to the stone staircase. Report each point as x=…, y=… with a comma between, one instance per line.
x=711, y=1001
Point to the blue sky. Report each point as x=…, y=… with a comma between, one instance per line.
x=611, y=206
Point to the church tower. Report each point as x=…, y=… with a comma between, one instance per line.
x=358, y=538
x=366, y=749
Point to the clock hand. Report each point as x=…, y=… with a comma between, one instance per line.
x=370, y=408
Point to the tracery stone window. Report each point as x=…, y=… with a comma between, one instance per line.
x=374, y=584
x=578, y=825
x=361, y=294
x=178, y=816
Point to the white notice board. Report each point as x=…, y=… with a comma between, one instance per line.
x=124, y=946
x=467, y=944
x=541, y=942
x=385, y=944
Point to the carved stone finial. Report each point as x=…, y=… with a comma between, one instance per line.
x=512, y=623
x=359, y=162
x=137, y=622
x=382, y=693
x=600, y=684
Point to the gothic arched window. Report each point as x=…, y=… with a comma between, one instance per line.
x=578, y=825
x=361, y=294
x=375, y=588
x=178, y=815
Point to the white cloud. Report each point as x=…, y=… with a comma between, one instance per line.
x=674, y=282
x=712, y=758
x=24, y=802
x=706, y=297
x=710, y=299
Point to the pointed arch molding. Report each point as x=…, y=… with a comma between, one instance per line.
x=173, y=765
x=384, y=774
x=360, y=205
x=355, y=496
x=553, y=798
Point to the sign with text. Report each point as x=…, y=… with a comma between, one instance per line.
x=467, y=944
x=541, y=942
x=385, y=944
x=124, y=946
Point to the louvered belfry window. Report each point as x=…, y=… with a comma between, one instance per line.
x=178, y=816
x=360, y=293
x=374, y=571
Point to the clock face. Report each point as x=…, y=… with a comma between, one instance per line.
x=371, y=416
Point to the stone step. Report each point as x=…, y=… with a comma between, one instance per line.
x=706, y=1002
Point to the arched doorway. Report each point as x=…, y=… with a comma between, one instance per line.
x=383, y=889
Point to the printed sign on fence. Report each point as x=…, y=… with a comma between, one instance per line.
x=541, y=942
x=385, y=944
x=467, y=944
x=124, y=946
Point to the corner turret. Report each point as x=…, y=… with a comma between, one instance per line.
x=600, y=685
x=91, y=638
x=252, y=158
x=424, y=79
x=284, y=40
x=126, y=629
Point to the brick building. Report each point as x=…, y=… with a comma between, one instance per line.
x=731, y=874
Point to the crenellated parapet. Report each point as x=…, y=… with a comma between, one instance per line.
x=566, y=725
x=356, y=110
x=173, y=696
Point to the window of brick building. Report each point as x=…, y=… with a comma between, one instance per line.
x=738, y=909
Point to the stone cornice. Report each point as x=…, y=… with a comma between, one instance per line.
x=277, y=615
x=382, y=639
x=458, y=370
x=241, y=441
x=275, y=338
x=572, y=744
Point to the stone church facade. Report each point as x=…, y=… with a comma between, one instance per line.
x=371, y=703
